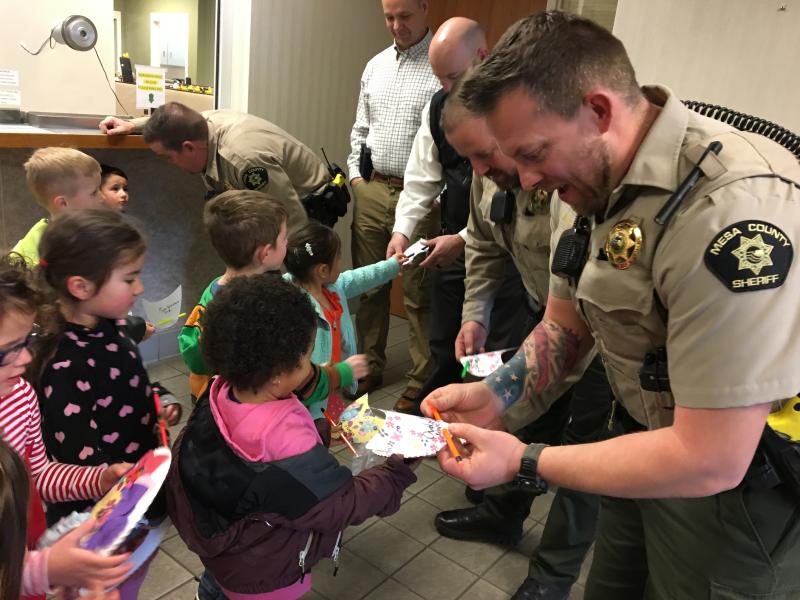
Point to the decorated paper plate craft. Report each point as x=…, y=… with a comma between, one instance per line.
x=483, y=365
x=125, y=504
x=385, y=432
x=360, y=422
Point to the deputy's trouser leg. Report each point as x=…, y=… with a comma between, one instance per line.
x=417, y=301
x=742, y=543
x=571, y=523
x=509, y=502
x=372, y=210
x=447, y=299
x=619, y=568
x=507, y=327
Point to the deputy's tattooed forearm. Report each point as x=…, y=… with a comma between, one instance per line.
x=545, y=357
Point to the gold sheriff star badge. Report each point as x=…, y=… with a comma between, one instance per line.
x=753, y=253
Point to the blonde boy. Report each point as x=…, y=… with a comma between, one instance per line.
x=60, y=179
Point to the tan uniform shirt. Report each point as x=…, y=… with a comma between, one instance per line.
x=246, y=152
x=722, y=270
x=526, y=239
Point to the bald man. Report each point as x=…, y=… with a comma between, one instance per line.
x=435, y=171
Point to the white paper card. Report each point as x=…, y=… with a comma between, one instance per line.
x=413, y=250
x=483, y=365
x=408, y=435
x=166, y=312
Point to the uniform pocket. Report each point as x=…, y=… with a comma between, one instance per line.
x=764, y=529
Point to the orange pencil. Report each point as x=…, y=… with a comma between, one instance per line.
x=449, y=438
x=344, y=437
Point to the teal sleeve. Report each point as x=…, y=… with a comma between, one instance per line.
x=357, y=281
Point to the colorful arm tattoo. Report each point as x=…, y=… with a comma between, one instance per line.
x=545, y=357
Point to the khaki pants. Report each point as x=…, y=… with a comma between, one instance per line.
x=373, y=219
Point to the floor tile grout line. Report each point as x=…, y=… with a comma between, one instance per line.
x=182, y=583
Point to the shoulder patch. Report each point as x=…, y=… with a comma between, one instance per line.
x=255, y=178
x=749, y=256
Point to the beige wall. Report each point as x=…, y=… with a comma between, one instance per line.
x=206, y=42
x=737, y=53
x=59, y=79
x=136, y=30
x=306, y=60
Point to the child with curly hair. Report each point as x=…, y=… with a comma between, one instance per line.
x=252, y=489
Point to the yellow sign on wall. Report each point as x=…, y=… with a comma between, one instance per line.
x=150, y=86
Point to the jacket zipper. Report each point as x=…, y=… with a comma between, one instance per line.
x=303, y=554
x=335, y=554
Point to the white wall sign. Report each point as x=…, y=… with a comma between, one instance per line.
x=10, y=98
x=150, y=86
x=9, y=78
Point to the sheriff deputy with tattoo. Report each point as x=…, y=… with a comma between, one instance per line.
x=673, y=247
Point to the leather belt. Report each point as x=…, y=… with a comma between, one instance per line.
x=396, y=182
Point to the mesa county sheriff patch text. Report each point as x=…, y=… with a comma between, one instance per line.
x=749, y=256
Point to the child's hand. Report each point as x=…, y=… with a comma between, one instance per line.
x=149, y=330
x=97, y=593
x=112, y=474
x=172, y=413
x=401, y=258
x=70, y=565
x=359, y=365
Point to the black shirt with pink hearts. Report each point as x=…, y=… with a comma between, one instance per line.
x=96, y=401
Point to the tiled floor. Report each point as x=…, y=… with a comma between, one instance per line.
x=401, y=557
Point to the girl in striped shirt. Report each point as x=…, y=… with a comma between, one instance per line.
x=65, y=563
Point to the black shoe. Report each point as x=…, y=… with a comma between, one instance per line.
x=469, y=524
x=474, y=496
x=535, y=590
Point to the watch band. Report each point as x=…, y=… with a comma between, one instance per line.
x=528, y=476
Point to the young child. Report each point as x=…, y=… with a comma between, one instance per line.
x=251, y=489
x=20, y=303
x=33, y=578
x=114, y=187
x=248, y=231
x=114, y=191
x=97, y=402
x=60, y=179
x=313, y=259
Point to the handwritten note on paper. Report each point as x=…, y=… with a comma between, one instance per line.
x=166, y=312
